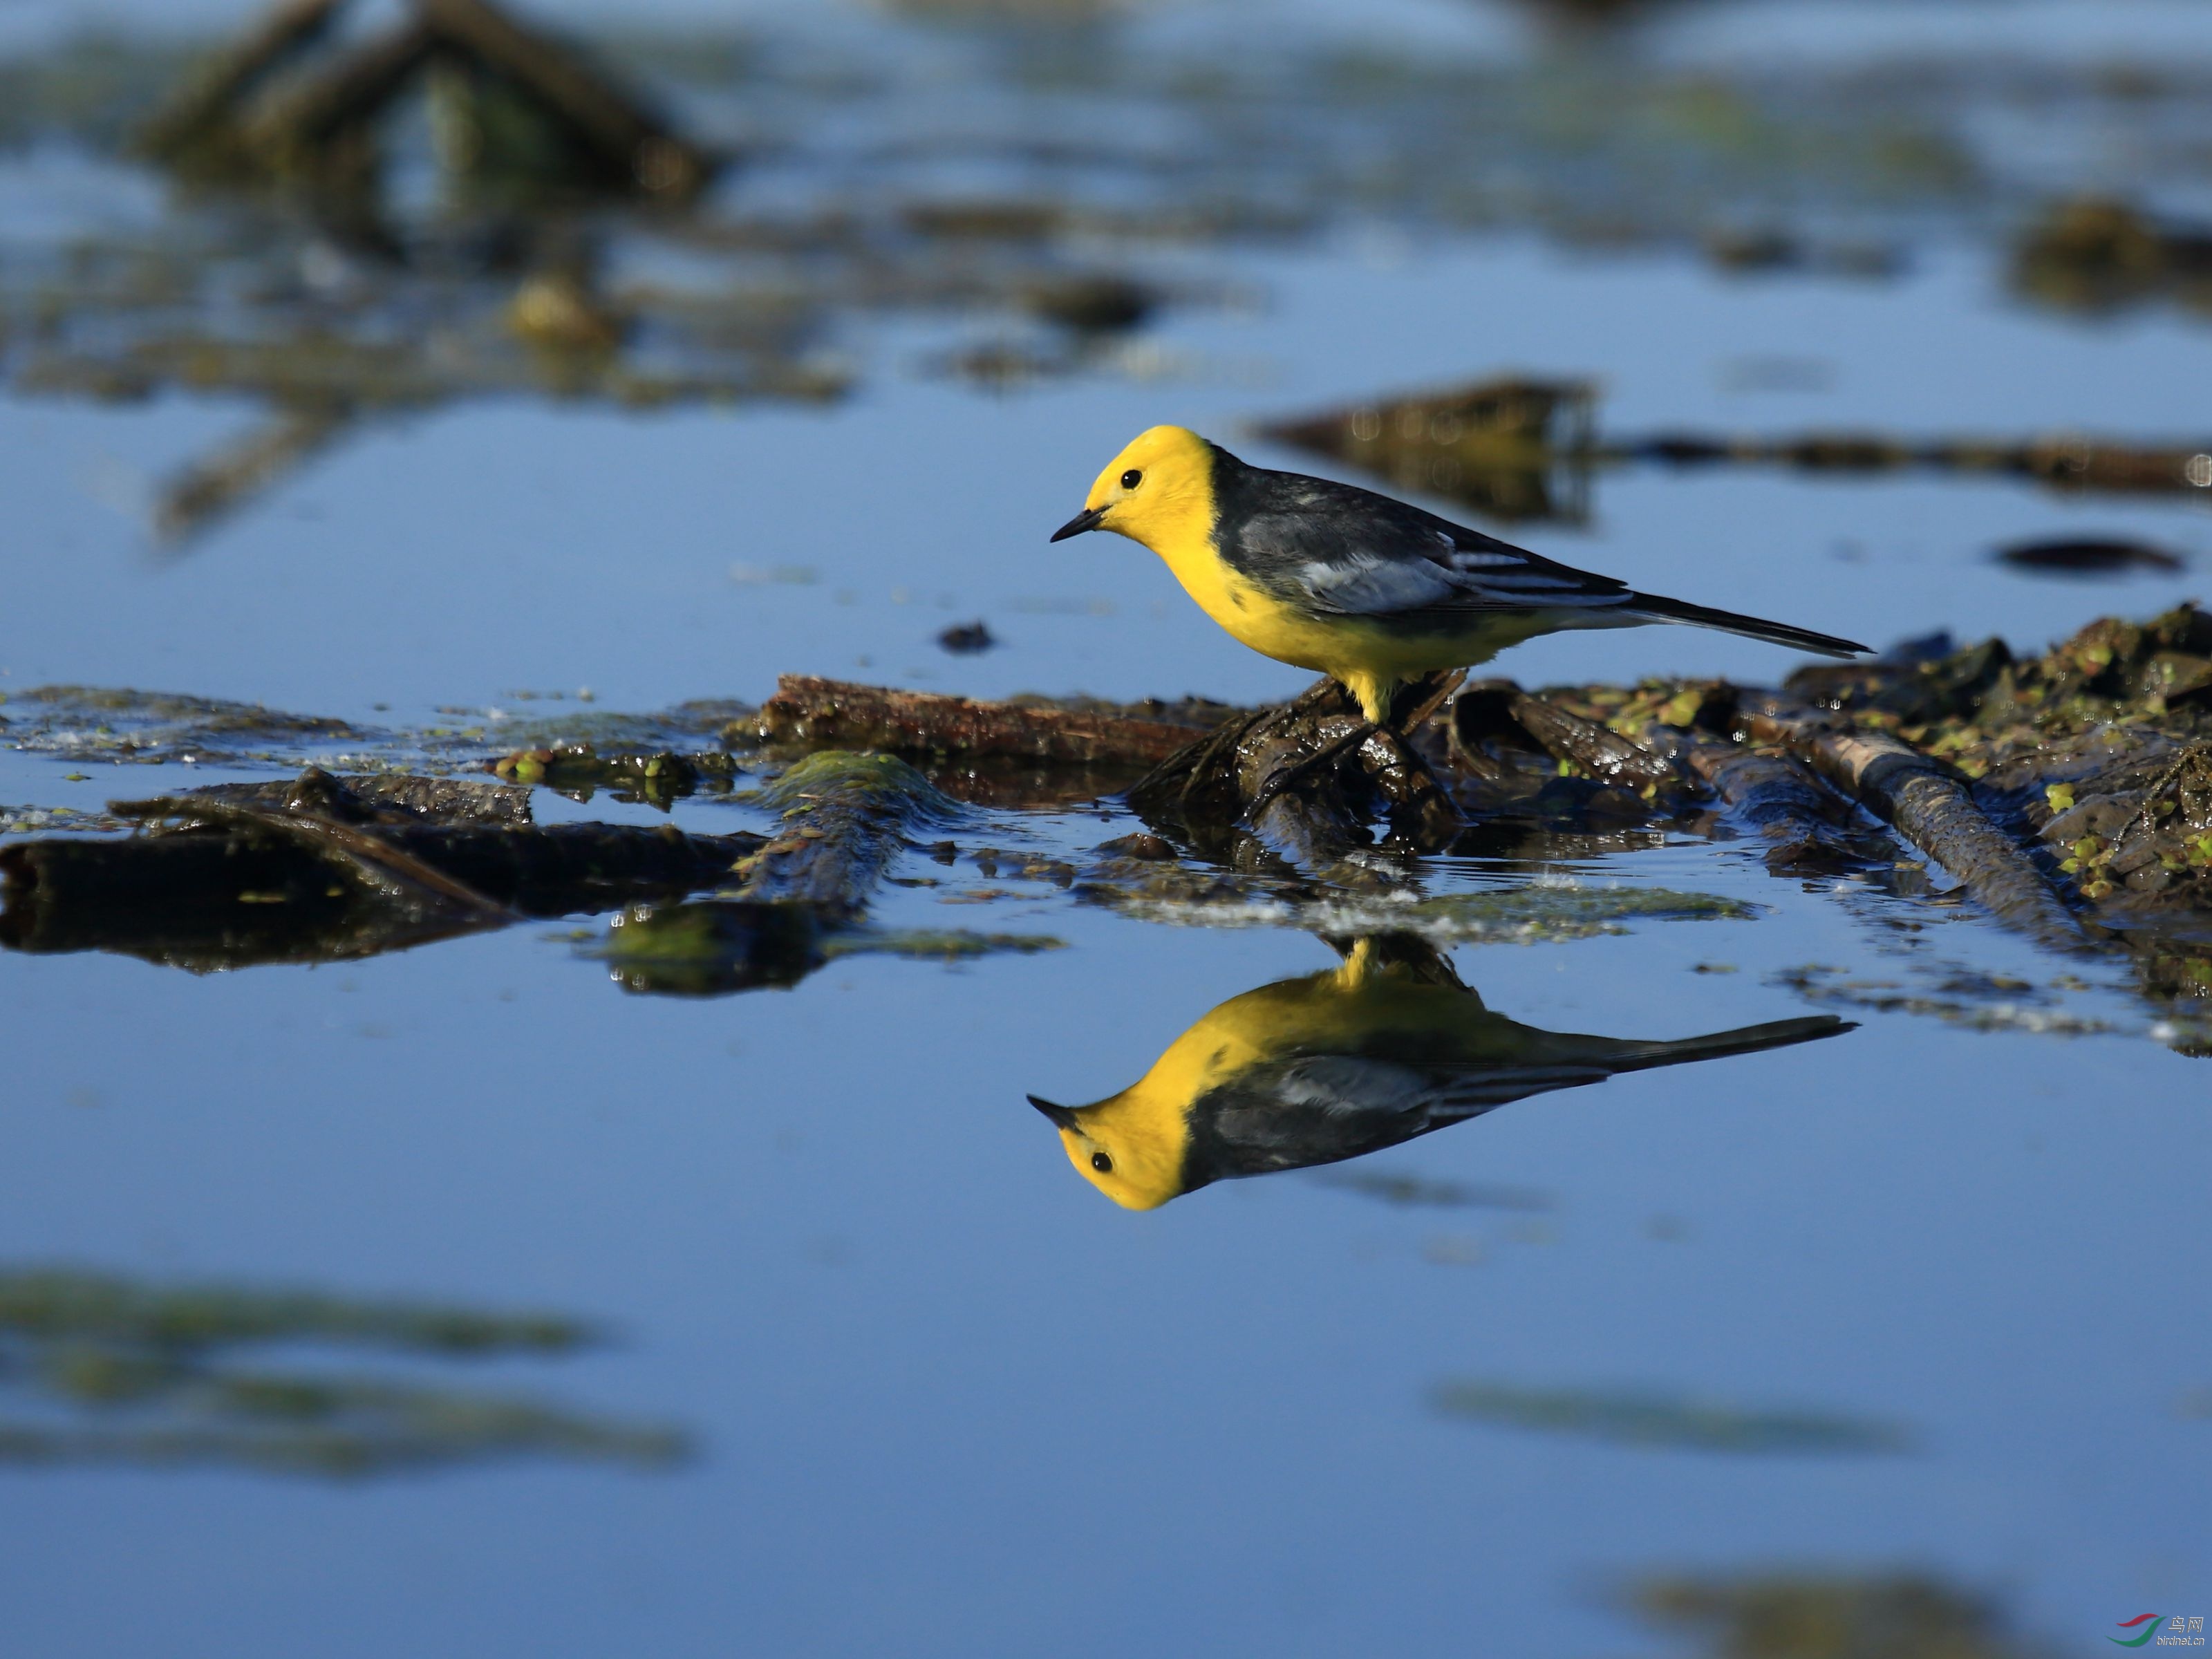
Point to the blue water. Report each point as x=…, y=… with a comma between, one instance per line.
x=946, y=1398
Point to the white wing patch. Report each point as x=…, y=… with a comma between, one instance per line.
x=1374, y=585
x=1367, y=585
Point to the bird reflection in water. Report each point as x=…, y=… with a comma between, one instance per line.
x=1387, y=1046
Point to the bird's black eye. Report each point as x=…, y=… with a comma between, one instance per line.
x=1102, y=1164
x=1131, y=478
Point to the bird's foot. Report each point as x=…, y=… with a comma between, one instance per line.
x=1326, y=755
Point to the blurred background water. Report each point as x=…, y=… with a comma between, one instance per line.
x=1901, y=1330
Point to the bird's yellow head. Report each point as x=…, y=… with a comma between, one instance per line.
x=1159, y=491
x=1129, y=1145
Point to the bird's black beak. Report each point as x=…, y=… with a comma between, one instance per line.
x=1086, y=520
x=1061, y=1117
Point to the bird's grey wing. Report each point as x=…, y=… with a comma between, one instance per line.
x=1318, y=1108
x=1346, y=552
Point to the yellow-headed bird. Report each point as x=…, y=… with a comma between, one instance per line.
x=1353, y=584
x=1389, y=1046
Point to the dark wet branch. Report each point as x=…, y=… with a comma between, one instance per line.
x=1929, y=807
x=1778, y=797
x=1502, y=709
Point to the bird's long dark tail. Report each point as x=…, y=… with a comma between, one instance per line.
x=1703, y=616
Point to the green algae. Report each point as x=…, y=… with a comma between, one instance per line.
x=1523, y=915
x=1838, y=1615
x=715, y=947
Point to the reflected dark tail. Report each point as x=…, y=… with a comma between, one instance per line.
x=1718, y=1045
x=1701, y=616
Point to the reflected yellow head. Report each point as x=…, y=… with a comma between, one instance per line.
x=1129, y=1145
x=1159, y=491
x=1134, y=1146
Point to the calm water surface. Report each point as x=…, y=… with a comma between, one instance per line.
x=941, y=1396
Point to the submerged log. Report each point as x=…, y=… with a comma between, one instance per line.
x=845, y=816
x=800, y=898
x=1778, y=797
x=1927, y=805
x=326, y=868
x=807, y=711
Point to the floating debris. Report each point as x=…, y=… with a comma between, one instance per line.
x=967, y=639
x=2077, y=779
x=2088, y=557
x=579, y=771
x=2096, y=254
x=1748, y=250
x=1656, y=1419
x=1092, y=304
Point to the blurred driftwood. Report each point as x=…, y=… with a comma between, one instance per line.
x=1503, y=446
x=258, y=110
x=203, y=112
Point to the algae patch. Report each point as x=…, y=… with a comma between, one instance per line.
x=1535, y=914
x=1655, y=1419
x=99, y=1369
